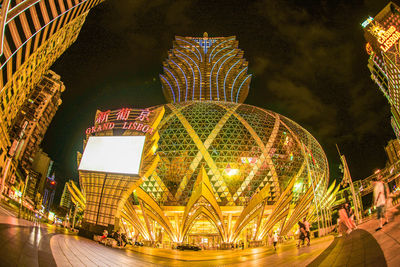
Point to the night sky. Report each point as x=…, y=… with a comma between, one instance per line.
x=307, y=59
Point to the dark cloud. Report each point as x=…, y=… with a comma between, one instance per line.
x=315, y=76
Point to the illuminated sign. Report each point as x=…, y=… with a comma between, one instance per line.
x=367, y=21
x=124, y=118
x=113, y=154
x=388, y=38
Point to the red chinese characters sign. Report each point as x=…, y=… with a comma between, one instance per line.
x=124, y=118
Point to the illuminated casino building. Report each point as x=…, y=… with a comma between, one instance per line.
x=224, y=172
x=34, y=33
x=382, y=34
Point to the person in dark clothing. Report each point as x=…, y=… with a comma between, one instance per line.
x=111, y=234
x=302, y=234
x=117, y=237
x=350, y=215
x=123, y=237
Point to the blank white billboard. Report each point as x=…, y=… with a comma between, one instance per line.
x=113, y=154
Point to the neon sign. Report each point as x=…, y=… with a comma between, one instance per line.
x=124, y=118
x=102, y=116
x=388, y=38
x=123, y=114
x=367, y=21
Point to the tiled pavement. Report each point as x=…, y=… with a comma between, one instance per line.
x=24, y=243
x=366, y=246
x=363, y=247
x=389, y=237
x=357, y=249
x=78, y=251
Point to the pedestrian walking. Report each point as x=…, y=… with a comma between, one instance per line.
x=388, y=203
x=117, y=237
x=344, y=222
x=124, y=239
x=302, y=234
x=275, y=239
x=350, y=215
x=307, y=228
x=379, y=201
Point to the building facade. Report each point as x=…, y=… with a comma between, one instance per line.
x=34, y=117
x=34, y=34
x=37, y=177
x=393, y=151
x=29, y=128
x=49, y=191
x=227, y=172
x=65, y=201
x=205, y=69
x=382, y=34
x=106, y=193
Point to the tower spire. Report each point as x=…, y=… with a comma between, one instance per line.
x=205, y=69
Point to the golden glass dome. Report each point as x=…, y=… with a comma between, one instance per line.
x=243, y=148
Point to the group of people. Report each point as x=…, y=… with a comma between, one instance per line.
x=304, y=232
x=117, y=236
x=381, y=199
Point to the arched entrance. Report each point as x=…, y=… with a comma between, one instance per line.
x=203, y=233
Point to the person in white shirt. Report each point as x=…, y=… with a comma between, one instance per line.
x=307, y=226
x=379, y=201
x=275, y=239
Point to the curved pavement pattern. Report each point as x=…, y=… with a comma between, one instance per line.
x=24, y=243
x=79, y=251
x=359, y=248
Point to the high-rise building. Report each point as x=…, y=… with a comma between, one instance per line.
x=66, y=201
x=49, y=191
x=382, y=33
x=33, y=34
x=34, y=118
x=205, y=69
x=39, y=173
x=224, y=171
x=393, y=151
x=31, y=187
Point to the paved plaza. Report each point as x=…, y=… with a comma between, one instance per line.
x=26, y=243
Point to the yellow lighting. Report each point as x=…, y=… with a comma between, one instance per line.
x=154, y=149
x=297, y=186
x=232, y=172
